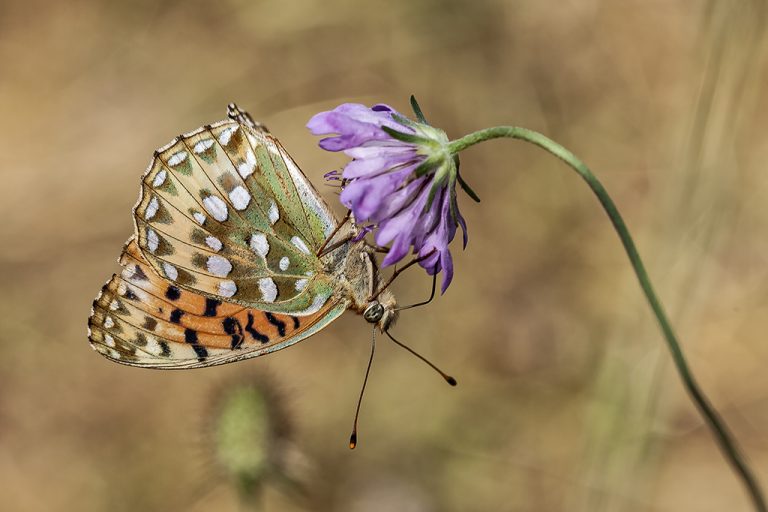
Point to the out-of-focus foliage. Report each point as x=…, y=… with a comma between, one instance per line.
x=566, y=399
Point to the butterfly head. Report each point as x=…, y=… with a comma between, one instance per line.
x=381, y=311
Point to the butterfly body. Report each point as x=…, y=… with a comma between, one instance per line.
x=225, y=262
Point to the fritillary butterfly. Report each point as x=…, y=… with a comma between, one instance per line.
x=234, y=255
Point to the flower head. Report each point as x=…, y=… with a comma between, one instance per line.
x=402, y=180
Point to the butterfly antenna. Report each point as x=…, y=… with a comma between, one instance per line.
x=425, y=302
x=353, y=437
x=450, y=380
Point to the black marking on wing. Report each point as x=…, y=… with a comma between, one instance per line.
x=190, y=336
x=202, y=353
x=173, y=293
x=229, y=325
x=277, y=323
x=149, y=323
x=130, y=294
x=233, y=328
x=210, y=307
x=176, y=315
x=140, y=340
x=296, y=322
x=166, y=349
x=139, y=274
x=253, y=332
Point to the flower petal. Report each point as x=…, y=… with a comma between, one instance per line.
x=367, y=166
x=369, y=198
x=355, y=125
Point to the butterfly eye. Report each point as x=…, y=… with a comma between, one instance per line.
x=373, y=312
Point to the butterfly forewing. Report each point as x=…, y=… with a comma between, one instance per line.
x=143, y=319
x=225, y=212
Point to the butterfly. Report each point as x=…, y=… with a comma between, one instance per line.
x=234, y=255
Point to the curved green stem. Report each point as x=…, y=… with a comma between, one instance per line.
x=724, y=437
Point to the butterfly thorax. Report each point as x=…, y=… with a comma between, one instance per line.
x=360, y=283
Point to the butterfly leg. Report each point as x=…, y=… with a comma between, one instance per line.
x=400, y=271
x=379, y=249
x=423, y=303
x=325, y=248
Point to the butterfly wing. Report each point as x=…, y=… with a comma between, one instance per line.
x=142, y=319
x=225, y=212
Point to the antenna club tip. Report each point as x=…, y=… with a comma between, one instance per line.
x=353, y=441
x=450, y=380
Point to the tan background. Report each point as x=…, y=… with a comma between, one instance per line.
x=567, y=399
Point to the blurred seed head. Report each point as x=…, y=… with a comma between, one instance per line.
x=242, y=429
x=249, y=434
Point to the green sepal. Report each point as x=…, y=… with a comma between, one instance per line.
x=406, y=137
x=453, y=207
x=471, y=193
x=424, y=168
x=417, y=110
x=431, y=197
x=438, y=182
x=466, y=188
x=405, y=121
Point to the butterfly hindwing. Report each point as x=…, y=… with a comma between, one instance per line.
x=142, y=319
x=225, y=212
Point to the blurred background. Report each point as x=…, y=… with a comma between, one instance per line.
x=567, y=399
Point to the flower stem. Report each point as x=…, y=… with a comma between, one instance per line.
x=722, y=434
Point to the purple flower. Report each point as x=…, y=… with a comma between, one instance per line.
x=401, y=180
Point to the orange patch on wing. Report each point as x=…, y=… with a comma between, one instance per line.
x=141, y=316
